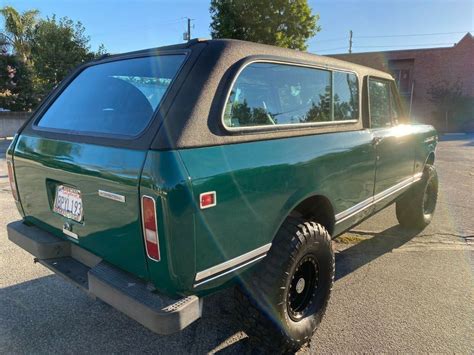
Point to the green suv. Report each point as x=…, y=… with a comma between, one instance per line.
x=154, y=178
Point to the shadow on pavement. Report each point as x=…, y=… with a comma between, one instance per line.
x=351, y=259
x=47, y=315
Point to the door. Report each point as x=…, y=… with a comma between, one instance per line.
x=393, y=141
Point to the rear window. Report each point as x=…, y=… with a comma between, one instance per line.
x=114, y=98
x=271, y=94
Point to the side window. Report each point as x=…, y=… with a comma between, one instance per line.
x=379, y=97
x=268, y=94
x=346, y=96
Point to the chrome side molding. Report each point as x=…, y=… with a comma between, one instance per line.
x=350, y=212
x=231, y=265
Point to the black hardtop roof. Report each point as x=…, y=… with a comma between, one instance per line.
x=233, y=46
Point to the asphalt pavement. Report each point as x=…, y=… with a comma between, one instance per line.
x=394, y=291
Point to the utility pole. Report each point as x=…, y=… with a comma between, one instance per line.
x=350, y=41
x=189, y=28
x=187, y=34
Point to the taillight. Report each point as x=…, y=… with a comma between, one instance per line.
x=150, y=228
x=11, y=178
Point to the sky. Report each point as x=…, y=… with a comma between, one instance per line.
x=124, y=26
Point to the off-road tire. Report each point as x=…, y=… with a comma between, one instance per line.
x=262, y=298
x=415, y=209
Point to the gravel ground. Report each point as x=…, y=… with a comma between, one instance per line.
x=394, y=292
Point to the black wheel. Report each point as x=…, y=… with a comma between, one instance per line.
x=283, y=301
x=415, y=209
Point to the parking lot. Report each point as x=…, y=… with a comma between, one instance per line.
x=394, y=291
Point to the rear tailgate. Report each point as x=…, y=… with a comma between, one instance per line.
x=78, y=162
x=110, y=225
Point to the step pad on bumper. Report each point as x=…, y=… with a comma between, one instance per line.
x=114, y=286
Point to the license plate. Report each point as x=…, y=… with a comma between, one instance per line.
x=68, y=202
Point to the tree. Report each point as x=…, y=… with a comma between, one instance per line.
x=447, y=98
x=283, y=23
x=19, y=30
x=16, y=89
x=58, y=47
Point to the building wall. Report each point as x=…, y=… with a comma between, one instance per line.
x=428, y=66
x=10, y=122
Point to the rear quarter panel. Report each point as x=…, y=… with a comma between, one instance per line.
x=259, y=183
x=165, y=179
x=426, y=140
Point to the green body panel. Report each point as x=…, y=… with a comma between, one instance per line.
x=165, y=178
x=257, y=186
x=395, y=156
x=110, y=229
x=425, y=141
x=259, y=183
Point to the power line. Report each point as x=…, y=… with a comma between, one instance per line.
x=414, y=35
x=388, y=36
x=387, y=46
x=329, y=39
x=169, y=22
x=408, y=45
x=330, y=49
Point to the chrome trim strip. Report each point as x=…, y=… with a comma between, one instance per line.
x=111, y=196
x=350, y=212
x=430, y=139
x=233, y=264
x=230, y=270
x=70, y=233
x=395, y=188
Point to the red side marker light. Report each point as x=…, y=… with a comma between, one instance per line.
x=207, y=199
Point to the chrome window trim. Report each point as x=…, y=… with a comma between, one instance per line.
x=289, y=125
x=231, y=265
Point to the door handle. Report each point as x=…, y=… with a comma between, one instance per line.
x=376, y=140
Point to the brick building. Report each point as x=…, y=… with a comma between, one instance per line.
x=416, y=70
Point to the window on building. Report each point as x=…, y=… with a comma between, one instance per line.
x=396, y=111
x=268, y=94
x=402, y=78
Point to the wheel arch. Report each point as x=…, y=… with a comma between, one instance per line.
x=430, y=159
x=318, y=208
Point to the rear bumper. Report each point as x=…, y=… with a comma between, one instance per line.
x=98, y=278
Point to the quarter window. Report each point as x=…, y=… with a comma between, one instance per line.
x=346, y=96
x=116, y=97
x=379, y=97
x=271, y=94
x=395, y=106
